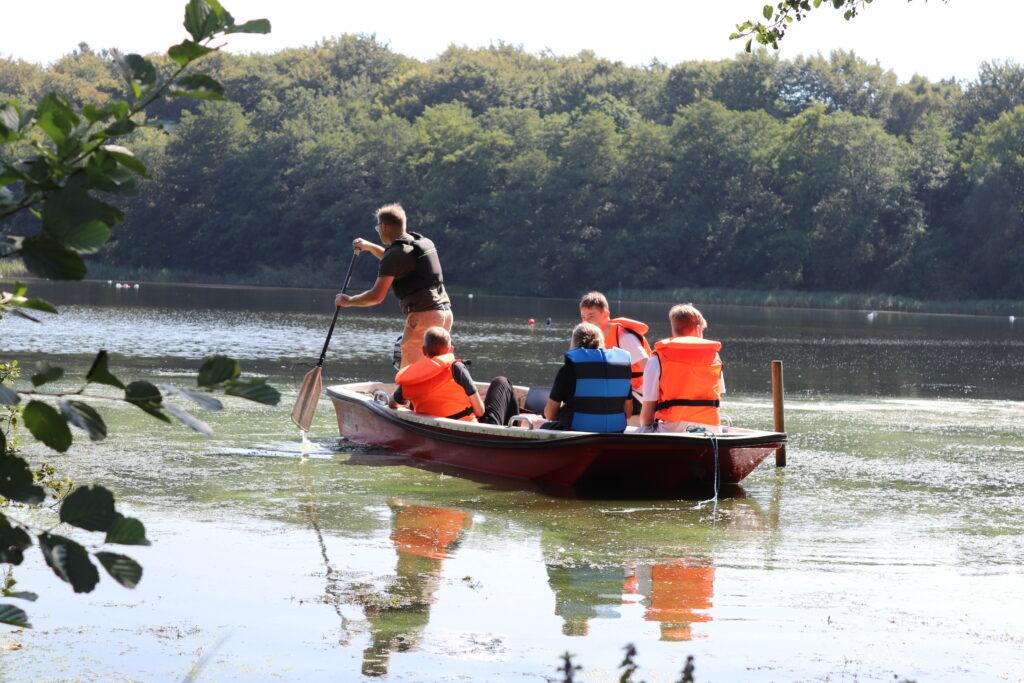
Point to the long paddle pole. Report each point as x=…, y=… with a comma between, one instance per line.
x=337, y=309
x=312, y=384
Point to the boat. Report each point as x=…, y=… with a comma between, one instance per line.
x=631, y=460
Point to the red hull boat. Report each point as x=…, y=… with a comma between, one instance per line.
x=676, y=461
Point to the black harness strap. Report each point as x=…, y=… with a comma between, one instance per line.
x=712, y=403
x=461, y=414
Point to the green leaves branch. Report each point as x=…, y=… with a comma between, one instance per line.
x=778, y=17
x=91, y=508
x=51, y=425
x=72, y=154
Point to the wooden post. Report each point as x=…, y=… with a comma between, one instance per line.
x=780, y=417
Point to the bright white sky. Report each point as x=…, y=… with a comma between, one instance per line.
x=932, y=38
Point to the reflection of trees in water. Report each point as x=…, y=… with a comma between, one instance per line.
x=676, y=594
x=422, y=536
x=585, y=593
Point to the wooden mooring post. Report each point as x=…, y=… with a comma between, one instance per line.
x=777, y=404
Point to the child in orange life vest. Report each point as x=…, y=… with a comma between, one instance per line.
x=624, y=333
x=442, y=386
x=683, y=380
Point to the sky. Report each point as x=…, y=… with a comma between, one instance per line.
x=932, y=38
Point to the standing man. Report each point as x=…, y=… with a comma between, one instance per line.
x=410, y=267
x=624, y=333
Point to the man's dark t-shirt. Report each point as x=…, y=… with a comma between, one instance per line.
x=398, y=261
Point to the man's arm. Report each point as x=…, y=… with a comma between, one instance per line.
x=647, y=413
x=371, y=297
x=562, y=389
x=359, y=244
x=630, y=343
x=651, y=390
x=397, y=399
x=477, y=403
x=551, y=409
x=460, y=373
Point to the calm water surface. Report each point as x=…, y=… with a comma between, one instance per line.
x=891, y=545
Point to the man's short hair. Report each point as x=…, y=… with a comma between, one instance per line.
x=587, y=336
x=436, y=341
x=684, y=317
x=391, y=215
x=594, y=300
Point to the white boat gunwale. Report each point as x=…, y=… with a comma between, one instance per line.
x=502, y=437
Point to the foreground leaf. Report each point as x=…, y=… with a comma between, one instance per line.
x=188, y=419
x=9, y=614
x=85, y=417
x=26, y=316
x=46, y=257
x=46, y=374
x=76, y=219
x=47, y=425
x=255, y=390
x=21, y=595
x=90, y=508
x=13, y=542
x=253, y=26
x=205, y=402
x=69, y=561
x=122, y=568
x=203, y=18
x=127, y=531
x=217, y=369
x=147, y=397
x=138, y=71
x=17, y=482
x=8, y=396
x=197, y=85
x=116, y=108
x=188, y=51
x=37, y=305
x=99, y=373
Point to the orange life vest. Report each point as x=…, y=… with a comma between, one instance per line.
x=428, y=384
x=691, y=375
x=427, y=532
x=615, y=328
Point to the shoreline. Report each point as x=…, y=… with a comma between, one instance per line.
x=781, y=299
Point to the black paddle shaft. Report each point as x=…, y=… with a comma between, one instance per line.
x=337, y=309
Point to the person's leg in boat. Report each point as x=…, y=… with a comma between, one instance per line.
x=500, y=403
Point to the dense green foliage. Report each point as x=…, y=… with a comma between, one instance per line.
x=545, y=174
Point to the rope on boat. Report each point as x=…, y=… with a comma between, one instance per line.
x=718, y=470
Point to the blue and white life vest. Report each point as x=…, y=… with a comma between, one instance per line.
x=602, y=386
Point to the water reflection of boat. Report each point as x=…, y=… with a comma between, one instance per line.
x=631, y=460
x=675, y=594
x=423, y=537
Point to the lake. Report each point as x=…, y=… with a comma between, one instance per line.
x=891, y=545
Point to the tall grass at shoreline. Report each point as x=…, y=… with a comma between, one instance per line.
x=323, y=278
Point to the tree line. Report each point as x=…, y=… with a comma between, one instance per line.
x=547, y=174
